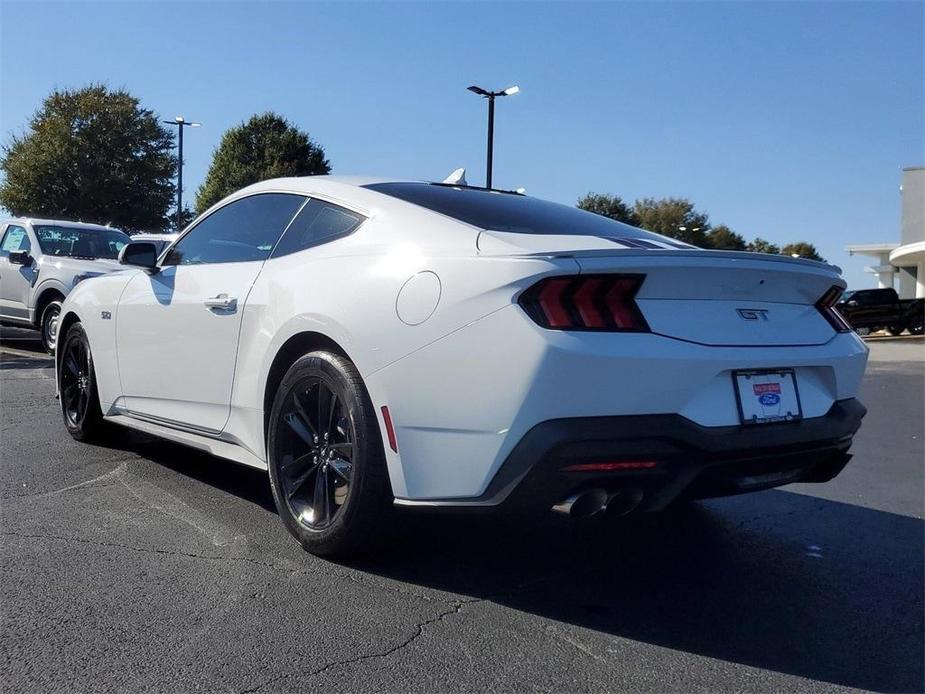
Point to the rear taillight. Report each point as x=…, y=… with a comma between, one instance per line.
x=586, y=302
x=826, y=306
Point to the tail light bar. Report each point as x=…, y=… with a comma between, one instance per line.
x=826, y=306
x=586, y=302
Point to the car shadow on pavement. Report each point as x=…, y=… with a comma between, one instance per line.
x=775, y=580
x=244, y=482
x=779, y=581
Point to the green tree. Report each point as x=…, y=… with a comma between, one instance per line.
x=91, y=155
x=759, y=245
x=186, y=217
x=266, y=146
x=674, y=217
x=803, y=250
x=722, y=238
x=609, y=206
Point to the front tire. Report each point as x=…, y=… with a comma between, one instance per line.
x=326, y=459
x=49, y=325
x=895, y=330
x=80, y=402
x=917, y=325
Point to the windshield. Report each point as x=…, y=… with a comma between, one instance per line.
x=74, y=242
x=510, y=212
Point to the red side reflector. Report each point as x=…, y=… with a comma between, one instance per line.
x=389, y=429
x=611, y=466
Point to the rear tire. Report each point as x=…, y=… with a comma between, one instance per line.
x=895, y=330
x=326, y=460
x=917, y=325
x=80, y=402
x=49, y=325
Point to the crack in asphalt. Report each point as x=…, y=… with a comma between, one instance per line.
x=365, y=583
x=455, y=606
x=455, y=609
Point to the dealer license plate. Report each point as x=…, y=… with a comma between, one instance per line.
x=767, y=396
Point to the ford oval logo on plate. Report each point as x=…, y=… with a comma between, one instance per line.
x=769, y=399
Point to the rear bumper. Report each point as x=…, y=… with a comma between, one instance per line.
x=691, y=461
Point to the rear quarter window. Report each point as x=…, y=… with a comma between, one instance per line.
x=317, y=222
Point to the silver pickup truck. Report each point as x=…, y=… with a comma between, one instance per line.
x=41, y=260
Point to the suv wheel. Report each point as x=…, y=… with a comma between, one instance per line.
x=895, y=330
x=326, y=459
x=49, y=325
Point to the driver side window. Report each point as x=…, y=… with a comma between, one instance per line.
x=15, y=239
x=241, y=231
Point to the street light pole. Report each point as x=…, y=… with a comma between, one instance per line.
x=491, y=123
x=180, y=123
x=491, y=139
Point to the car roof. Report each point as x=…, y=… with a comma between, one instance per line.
x=59, y=222
x=155, y=236
x=333, y=185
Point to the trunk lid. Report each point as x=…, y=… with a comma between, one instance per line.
x=717, y=298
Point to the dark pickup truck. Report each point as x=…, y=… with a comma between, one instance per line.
x=869, y=310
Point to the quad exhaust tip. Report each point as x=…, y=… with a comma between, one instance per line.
x=591, y=502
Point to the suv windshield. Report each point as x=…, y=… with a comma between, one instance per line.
x=511, y=212
x=75, y=242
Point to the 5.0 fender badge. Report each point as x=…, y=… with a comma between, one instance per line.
x=105, y=315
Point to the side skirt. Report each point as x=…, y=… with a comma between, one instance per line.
x=217, y=447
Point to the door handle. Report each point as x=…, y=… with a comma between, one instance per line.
x=223, y=302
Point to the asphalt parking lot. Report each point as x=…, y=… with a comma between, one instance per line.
x=145, y=566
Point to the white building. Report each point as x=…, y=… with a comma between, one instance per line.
x=907, y=258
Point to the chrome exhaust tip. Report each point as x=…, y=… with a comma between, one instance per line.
x=584, y=504
x=623, y=502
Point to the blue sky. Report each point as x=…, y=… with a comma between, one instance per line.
x=783, y=120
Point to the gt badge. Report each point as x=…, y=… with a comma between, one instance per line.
x=752, y=313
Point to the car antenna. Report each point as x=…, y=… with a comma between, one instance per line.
x=457, y=178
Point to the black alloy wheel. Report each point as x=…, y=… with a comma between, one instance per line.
x=80, y=403
x=326, y=457
x=315, y=451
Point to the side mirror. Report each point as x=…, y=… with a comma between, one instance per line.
x=140, y=254
x=20, y=258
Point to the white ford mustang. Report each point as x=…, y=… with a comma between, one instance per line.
x=379, y=343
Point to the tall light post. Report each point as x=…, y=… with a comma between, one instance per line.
x=491, y=121
x=180, y=124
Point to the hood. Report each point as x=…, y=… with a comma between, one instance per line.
x=77, y=265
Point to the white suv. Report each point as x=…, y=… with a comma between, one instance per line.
x=41, y=260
